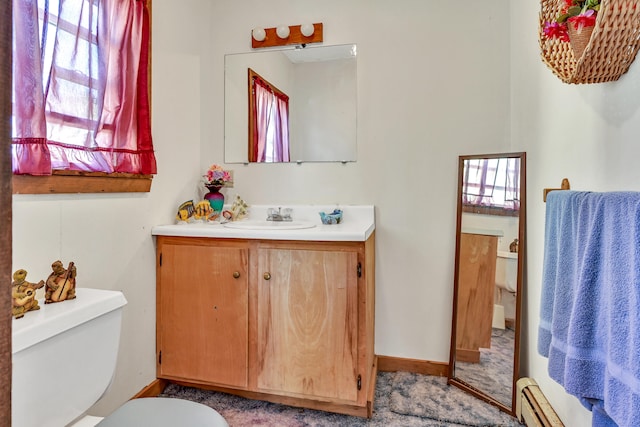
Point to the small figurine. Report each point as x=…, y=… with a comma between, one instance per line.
x=61, y=284
x=185, y=212
x=513, y=247
x=23, y=294
x=203, y=210
x=238, y=209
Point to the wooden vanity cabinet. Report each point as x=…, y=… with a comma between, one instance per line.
x=476, y=284
x=304, y=336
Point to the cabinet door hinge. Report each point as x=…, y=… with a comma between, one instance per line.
x=359, y=269
x=160, y=358
x=160, y=261
x=359, y=382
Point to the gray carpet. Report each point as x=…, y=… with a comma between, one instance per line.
x=402, y=399
x=431, y=397
x=494, y=372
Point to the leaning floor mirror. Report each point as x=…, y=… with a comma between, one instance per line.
x=488, y=277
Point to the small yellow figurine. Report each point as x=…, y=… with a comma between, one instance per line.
x=23, y=294
x=203, y=210
x=185, y=212
x=61, y=284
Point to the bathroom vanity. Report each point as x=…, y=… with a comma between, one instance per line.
x=478, y=249
x=276, y=314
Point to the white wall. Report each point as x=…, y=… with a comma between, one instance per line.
x=323, y=122
x=433, y=83
x=587, y=133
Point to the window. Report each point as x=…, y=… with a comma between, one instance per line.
x=81, y=95
x=491, y=186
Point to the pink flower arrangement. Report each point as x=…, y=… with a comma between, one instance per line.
x=579, y=13
x=217, y=176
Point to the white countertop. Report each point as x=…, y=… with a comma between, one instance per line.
x=358, y=223
x=486, y=232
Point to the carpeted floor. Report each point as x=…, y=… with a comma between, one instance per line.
x=494, y=373
x=402, y=400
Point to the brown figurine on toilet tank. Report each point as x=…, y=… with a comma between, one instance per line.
x=23, y=294
x=61, y=284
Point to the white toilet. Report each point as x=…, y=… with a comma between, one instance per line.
x=64, y=357
x=506, y=282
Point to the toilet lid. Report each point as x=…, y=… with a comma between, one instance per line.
x=163, y=412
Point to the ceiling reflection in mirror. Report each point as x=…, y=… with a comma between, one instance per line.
x=488, y=276
x=316, y=123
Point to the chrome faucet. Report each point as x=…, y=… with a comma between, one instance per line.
x=279, y=215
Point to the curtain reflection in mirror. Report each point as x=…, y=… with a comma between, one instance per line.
x=492, y=183
x=269, y=121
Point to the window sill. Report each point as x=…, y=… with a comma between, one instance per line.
x=489, y=210
x=68, y=182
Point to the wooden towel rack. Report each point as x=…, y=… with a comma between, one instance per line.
x=564, y=186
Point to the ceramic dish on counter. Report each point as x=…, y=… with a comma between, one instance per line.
x=334, y=217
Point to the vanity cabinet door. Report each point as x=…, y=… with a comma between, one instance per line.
x=476, y=286
x=307, y=322
x=202, y=310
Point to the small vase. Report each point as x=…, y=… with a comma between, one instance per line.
x=215, y=197
x=579, y=41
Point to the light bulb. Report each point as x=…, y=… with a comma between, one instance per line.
x=282, y=31
x=259, y=34
x=307, y=30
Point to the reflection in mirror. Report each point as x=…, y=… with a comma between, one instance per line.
x=268, y=121
x=490, y=247
x=319, y=120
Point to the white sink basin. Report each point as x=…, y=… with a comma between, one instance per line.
x=269, y=225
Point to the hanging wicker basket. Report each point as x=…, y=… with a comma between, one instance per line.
x=579, y=40
x=610, y=50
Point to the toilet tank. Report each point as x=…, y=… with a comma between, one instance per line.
x=64, y=357
x=507, y=270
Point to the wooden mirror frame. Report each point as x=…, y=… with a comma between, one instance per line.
x=452, y=379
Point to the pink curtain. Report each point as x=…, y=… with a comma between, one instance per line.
x=94, y=84
x=281, y=140
x=263, y=113
x=30, y=151
x=271, y=137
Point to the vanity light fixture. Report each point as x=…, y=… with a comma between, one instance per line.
x=283, y=35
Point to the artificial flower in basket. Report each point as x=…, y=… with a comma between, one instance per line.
x=216, y=176
x=574, y=23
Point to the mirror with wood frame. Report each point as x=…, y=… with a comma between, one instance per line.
x=488, y=277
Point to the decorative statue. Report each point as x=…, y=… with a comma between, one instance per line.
x=203, y=210
x=185, y=212
x=239, y=209
x=23, y=294
x=61, y=284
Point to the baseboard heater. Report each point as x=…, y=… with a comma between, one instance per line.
x=532, y=407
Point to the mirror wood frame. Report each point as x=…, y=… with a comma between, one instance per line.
x=452, y=378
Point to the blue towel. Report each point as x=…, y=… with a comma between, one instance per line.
x=590, y=303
